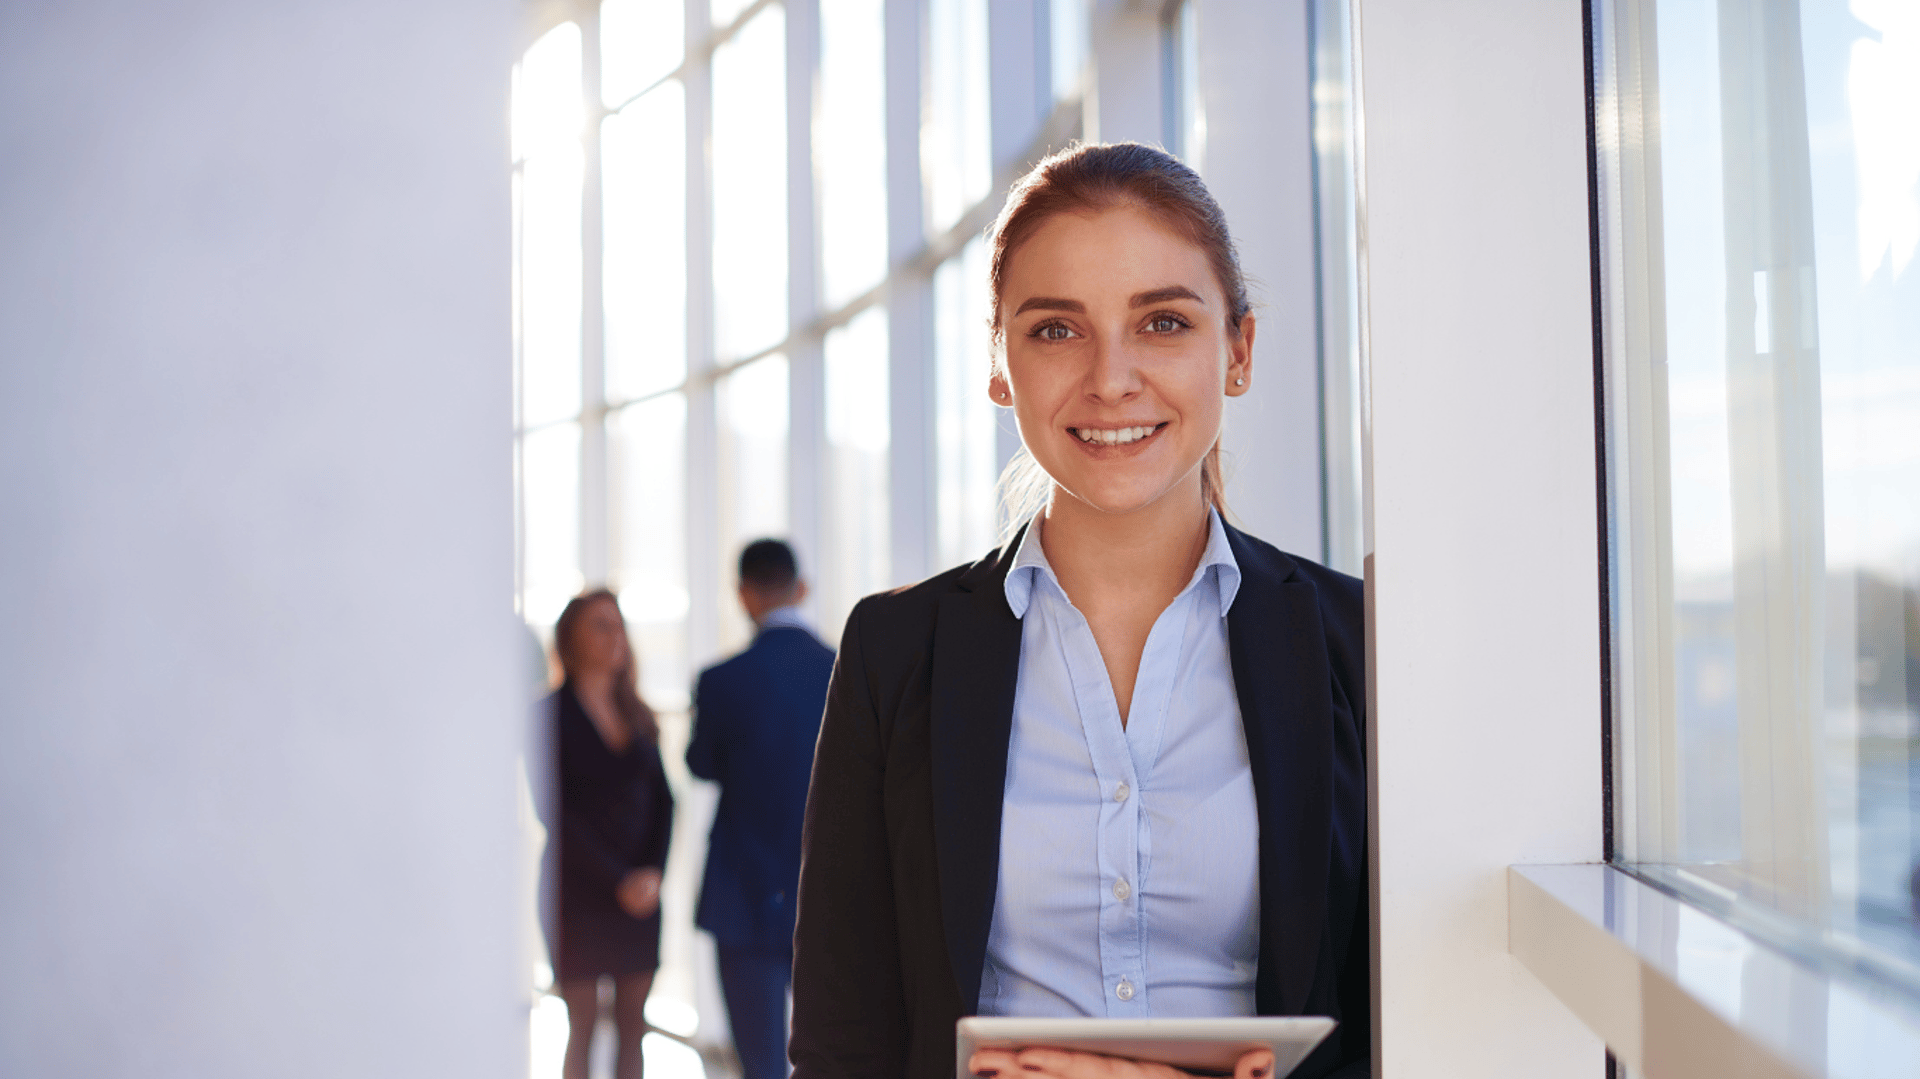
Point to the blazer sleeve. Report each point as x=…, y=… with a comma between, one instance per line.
x=704, y=749
x=849, y=1012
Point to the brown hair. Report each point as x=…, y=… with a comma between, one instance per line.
x=633, y=711
x=1089, y=178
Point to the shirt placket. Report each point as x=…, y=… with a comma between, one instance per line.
x=1123, y=976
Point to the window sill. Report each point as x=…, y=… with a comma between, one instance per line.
x=1673, y=991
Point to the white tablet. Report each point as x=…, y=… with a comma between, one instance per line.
x=1198, y=1045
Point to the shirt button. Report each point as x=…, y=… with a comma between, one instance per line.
x=1124, y=990
x=1120, y=793
x=1121, y=890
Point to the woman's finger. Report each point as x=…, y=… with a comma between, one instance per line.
x=992, y=1063
x=1065, y=1064
x=1254, y=1064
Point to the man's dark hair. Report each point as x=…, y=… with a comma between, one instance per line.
x=768, y=565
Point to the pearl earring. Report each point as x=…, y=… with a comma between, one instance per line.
x=1239, y=381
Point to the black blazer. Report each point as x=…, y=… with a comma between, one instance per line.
x=901, y=849
x=615, y=809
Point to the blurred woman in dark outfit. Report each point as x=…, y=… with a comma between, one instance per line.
x=615, y=817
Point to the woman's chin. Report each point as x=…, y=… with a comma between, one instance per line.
x=1119, y=500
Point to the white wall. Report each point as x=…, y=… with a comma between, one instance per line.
x=261, y=685
x=1484, y=572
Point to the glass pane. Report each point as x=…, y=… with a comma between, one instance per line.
x=547, y=117
x=550, y=522
x=547, y=106
x=750, y=188
x=850, y=147
x=648, y=465
x=641, y=42
x=965, y=415
x=955, y=151
x=752, y=406
x=856, y=560
x=1067, y=37
x=643, y=153
x=1764, y=321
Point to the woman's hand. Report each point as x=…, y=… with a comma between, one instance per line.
x=639, y=892
x=1066, y=1064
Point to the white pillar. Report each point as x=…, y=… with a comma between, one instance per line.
x=263, y=687
x=1484, y=582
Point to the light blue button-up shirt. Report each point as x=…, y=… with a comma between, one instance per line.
x=1129, y=857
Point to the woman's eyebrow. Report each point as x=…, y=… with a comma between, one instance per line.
x=1051, y=303
x=1162, y=295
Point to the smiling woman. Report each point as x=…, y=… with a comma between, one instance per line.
x=1115, y=767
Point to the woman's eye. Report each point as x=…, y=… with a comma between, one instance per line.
x=1052, y=331
x=1165, y=324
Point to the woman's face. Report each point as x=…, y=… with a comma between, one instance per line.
x=1119, y=356
x=600, y=639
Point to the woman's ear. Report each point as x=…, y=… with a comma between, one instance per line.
x=1240, y=358
x=998, y=389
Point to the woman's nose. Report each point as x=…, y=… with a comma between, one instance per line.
x=1113, y=375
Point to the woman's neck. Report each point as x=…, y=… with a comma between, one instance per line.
x=592, y=686
x=594, y=691
x=1144, y=556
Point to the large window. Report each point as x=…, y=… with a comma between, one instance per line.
x=1762, y=332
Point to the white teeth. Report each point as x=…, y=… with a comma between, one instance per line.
x=1118, y=436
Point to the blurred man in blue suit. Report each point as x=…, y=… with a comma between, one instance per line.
x=756, y=718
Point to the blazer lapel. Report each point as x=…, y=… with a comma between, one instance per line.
x=1282, y=677
x=976, y=663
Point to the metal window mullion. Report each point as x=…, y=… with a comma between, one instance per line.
x=519, y=365
x=910, y=302
x=595, y=530
x=1331, y=83
x=806, y=380
x=704, y=584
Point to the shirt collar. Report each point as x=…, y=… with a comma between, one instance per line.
x=1030, y=561
x=788, y=617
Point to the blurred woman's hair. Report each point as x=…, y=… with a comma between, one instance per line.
x=633, y=711
x=1088, y=179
